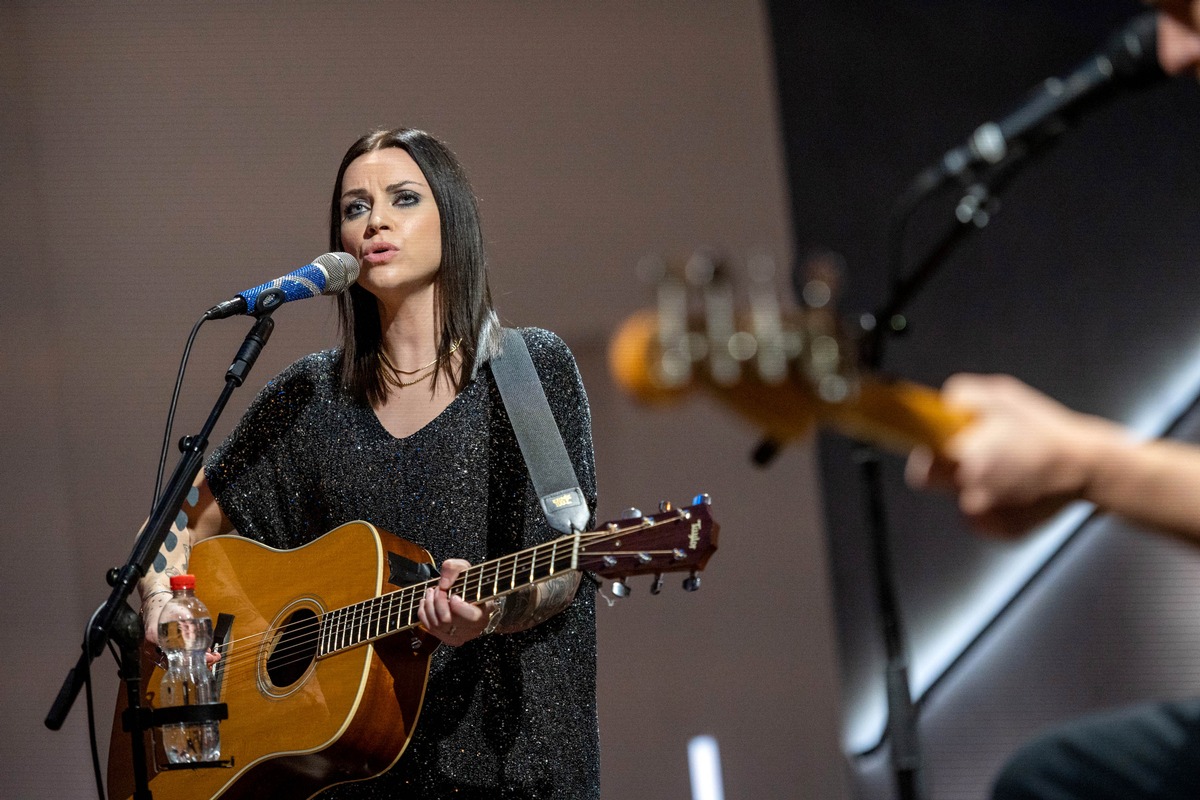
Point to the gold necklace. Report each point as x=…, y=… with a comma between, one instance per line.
x=392, y=375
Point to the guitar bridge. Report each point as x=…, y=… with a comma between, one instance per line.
x=221, y=632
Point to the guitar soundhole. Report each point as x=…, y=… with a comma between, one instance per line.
x=295, y=648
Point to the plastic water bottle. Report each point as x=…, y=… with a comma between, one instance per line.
x=185, y=634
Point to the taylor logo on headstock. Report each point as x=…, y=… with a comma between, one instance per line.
x=785, y=369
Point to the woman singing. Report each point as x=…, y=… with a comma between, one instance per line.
x=403, y=426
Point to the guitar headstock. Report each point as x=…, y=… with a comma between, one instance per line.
x=783, y=368
x=672, y=540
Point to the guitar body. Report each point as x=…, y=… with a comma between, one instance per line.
x=296, y=725
x=325, y=665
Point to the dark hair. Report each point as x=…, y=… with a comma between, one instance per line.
x=464, y=301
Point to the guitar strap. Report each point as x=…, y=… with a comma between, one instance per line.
x=540, y=440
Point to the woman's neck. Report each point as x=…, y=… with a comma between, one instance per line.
x=409, y=328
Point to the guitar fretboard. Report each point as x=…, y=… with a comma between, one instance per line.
x=353, y=625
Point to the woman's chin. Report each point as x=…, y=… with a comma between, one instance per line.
x=385, y=284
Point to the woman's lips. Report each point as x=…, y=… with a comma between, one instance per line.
x=380, y=255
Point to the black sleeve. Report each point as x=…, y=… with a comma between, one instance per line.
x=258, y=475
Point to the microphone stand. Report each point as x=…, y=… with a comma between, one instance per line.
x=115, y=620
x=972, y=213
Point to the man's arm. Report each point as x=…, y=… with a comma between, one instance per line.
x=1026, y=456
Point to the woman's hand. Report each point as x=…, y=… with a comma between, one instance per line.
x=448, y=617
x=151, y=611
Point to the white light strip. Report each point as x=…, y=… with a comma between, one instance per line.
x=1159, y=408
x=929, y=661
x=704, y=766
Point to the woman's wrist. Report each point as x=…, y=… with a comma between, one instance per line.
x=494, y=617
x=156, y=597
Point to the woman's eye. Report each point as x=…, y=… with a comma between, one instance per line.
x=407, y=198
x=353, y=209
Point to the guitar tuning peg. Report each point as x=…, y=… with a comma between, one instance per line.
x=761, y=268
x=631, y=513
x=620, y=588
x=656, y=587
x=700, y=268
x=702, y=499
x=692, y=582
x=665, y=506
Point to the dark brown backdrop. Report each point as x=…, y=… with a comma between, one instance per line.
x=157, y=159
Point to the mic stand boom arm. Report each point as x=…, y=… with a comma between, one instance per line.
x=972, y=213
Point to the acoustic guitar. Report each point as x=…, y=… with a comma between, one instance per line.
x=784, y=370
x=325, y=663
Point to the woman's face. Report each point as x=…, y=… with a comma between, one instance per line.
x=390, y=222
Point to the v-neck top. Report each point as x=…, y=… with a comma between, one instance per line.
x=505, y=716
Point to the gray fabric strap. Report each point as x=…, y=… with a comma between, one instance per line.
x=538, y=435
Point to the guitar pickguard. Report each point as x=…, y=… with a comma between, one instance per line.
x=405, y=572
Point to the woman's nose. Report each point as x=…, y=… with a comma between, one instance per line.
x=378, y=221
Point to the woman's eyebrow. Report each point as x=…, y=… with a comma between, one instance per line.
x=392, y=188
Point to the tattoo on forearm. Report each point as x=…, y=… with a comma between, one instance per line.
x=534, y=605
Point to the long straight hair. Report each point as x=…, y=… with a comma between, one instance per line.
x=461, y=294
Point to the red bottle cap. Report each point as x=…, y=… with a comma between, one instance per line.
x=183, y=582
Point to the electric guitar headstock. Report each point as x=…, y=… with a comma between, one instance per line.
x=784, y=369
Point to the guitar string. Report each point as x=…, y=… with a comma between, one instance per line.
x=371, y=612
x=305, y=651
x=517, y=569
x=359, y=618
x=364, y=626
x=383, y=607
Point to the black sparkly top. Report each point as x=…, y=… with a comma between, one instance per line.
x=505, y=716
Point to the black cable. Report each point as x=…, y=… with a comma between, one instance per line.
x=87, y=670
x=91, y=709
x=166, y=443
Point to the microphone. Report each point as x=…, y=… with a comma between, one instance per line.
x=331, y=273
x=1128, y=60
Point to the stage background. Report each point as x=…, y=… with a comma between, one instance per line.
x=158, y=159
x=1084, y=284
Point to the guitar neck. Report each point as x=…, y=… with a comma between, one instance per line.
x=357, y=624
x=892, y=413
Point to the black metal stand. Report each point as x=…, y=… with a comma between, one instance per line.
x=972, y=213
x=115, y=620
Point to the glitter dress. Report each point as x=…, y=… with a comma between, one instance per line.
x=505, y=716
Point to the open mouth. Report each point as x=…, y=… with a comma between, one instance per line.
x=379, y=253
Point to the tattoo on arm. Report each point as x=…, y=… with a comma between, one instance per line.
x=535, y=604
